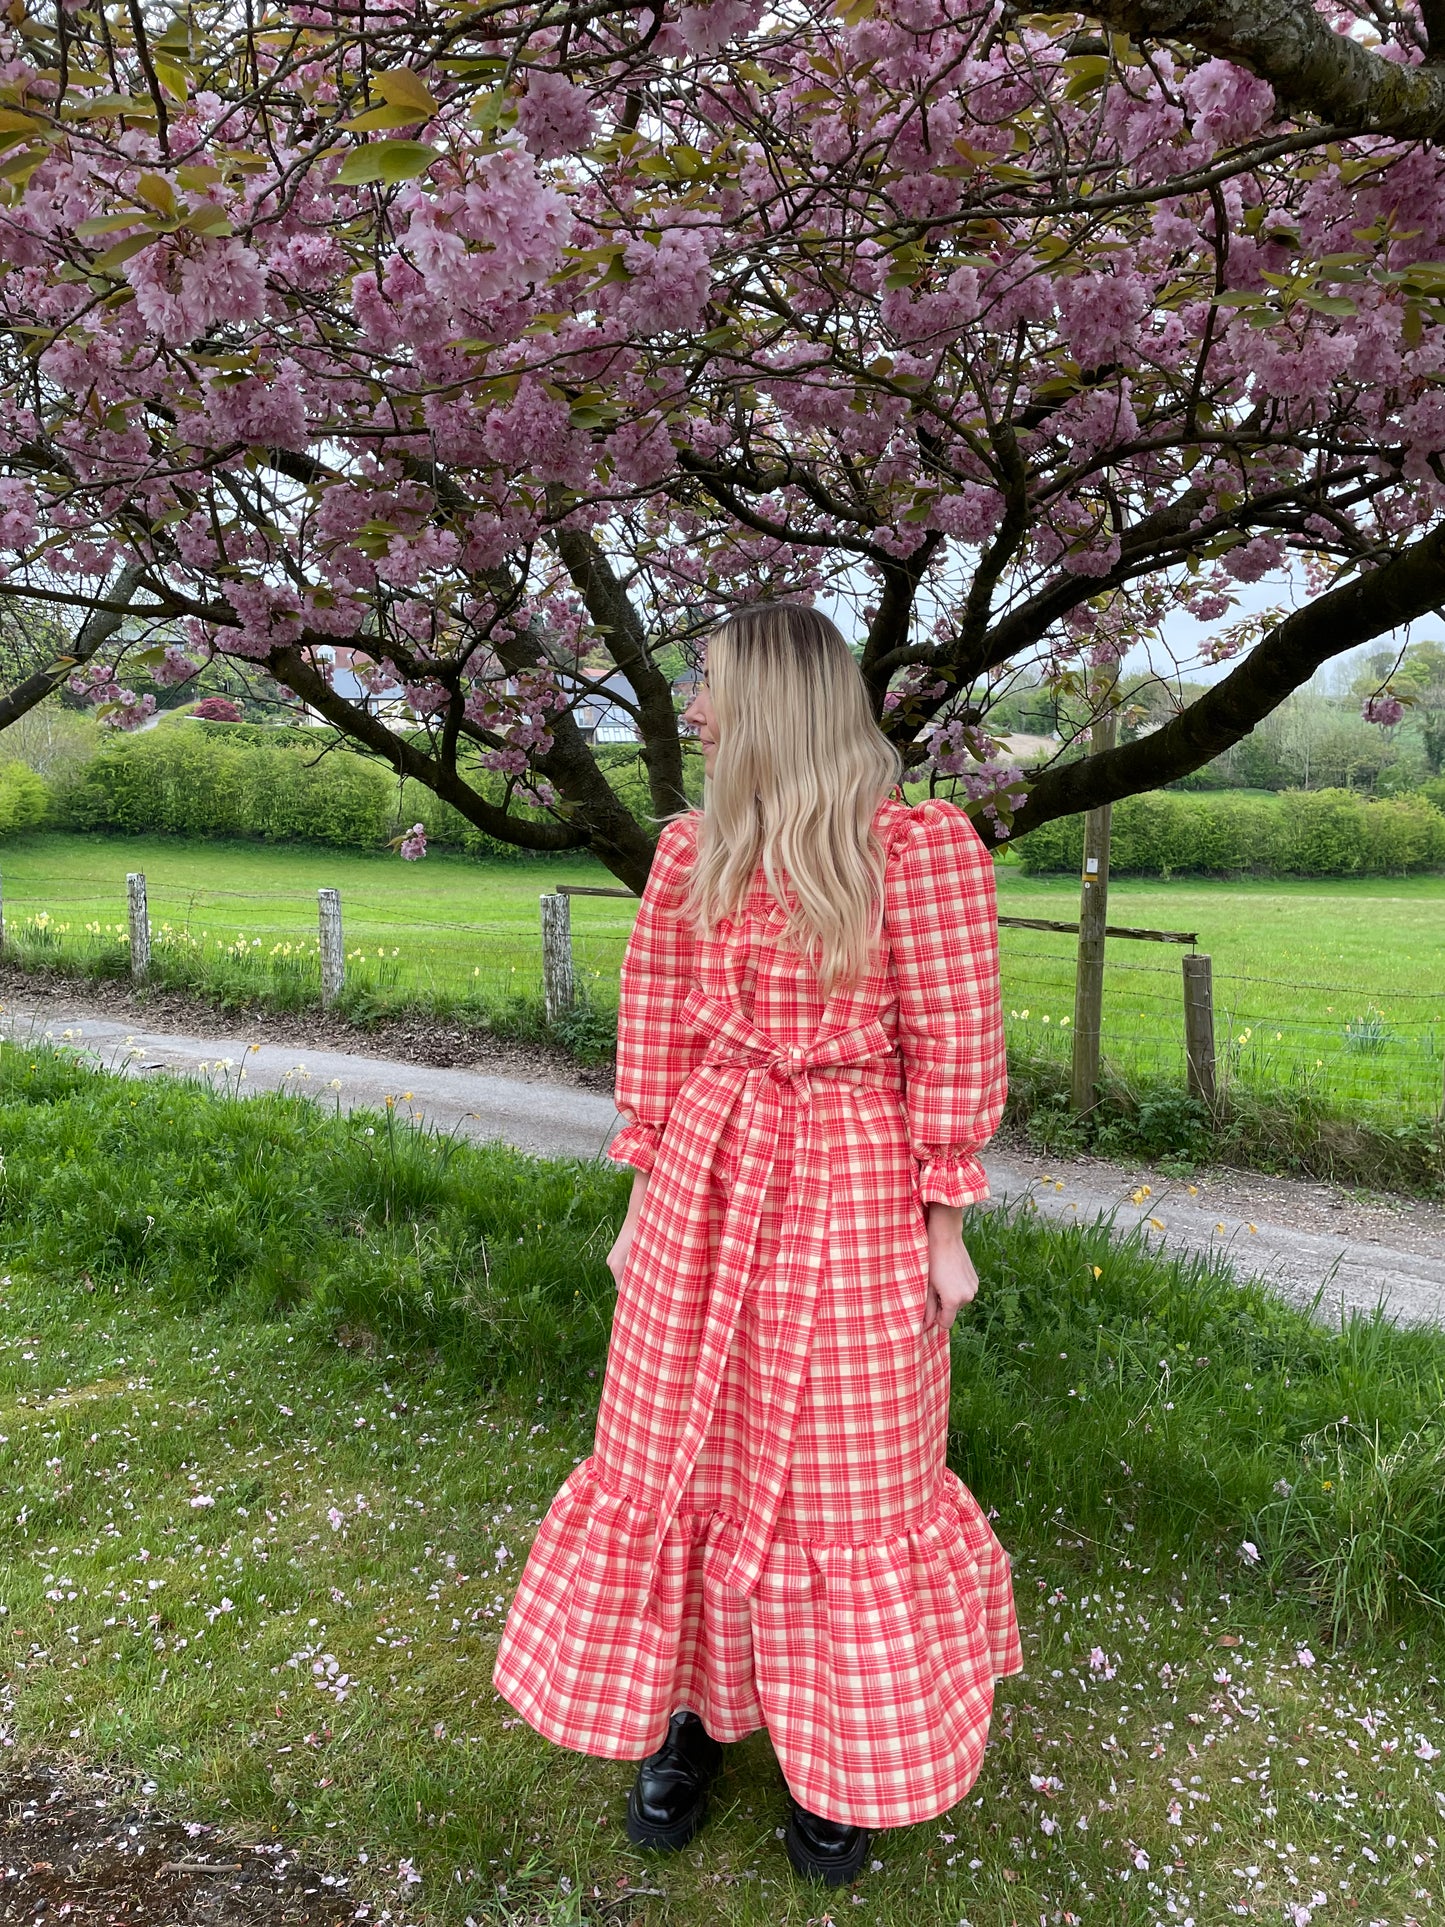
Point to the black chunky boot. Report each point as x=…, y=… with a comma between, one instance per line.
x=826, y=1850
x=669, y=1798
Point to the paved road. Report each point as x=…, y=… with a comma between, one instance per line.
x=552, y=1120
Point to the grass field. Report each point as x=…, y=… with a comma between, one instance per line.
x=282, y=1396
x=1332, y=988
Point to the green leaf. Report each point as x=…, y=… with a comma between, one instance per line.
x=207, y=218
x=377, y=119
x=19, y=167
x=400, y=87
x=122, y=251
x=387, y=162
x=173, y=79
x=107, y=106
x=156, y=191
x=109, y=224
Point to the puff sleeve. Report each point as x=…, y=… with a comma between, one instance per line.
x=655, y=1050
x=942, y=926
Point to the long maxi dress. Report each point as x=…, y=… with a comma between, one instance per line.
x=767, y=1531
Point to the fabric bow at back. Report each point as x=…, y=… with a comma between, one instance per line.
x=772, y=1079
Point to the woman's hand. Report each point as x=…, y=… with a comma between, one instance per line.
x=622, y=1244
x=952, y=1280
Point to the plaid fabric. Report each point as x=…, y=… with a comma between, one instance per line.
x=767, y=1531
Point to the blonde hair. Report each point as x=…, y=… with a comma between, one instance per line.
x=801, y=768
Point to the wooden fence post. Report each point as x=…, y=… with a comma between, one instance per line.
x=333, y=952
x=1199, y=1028
x=140, y=926
x=1093, y=916
x=559, y=983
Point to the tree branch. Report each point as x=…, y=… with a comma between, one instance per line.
x=95, y=632
x=1372, y=603
x=1311, y=68
x=610, y=608
x=290, y=665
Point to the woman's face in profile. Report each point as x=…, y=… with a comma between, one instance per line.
x=699, y=716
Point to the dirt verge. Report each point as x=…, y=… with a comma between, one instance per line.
x=413, y=1040
x=83, y=1846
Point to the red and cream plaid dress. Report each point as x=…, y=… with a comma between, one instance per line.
x=767, y=1531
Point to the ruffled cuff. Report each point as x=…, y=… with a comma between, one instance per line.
x=634, y=1144
x=955, y=1178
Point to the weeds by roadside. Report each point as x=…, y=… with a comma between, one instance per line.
x=1291, y=1131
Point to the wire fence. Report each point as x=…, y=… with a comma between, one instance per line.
x=1379, y=1049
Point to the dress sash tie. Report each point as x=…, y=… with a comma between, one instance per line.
x=772, y=1079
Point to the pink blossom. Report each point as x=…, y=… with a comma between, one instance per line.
x=268, y=411
x=1101, y=315
x=18, y=516
x=1384, y=708
x=127, y=711
x=1227, y=103
x=554, y=117
x=175, y=666
x=413, y=844
x=932, y=319
x=1249, y=561
x=641, y=453
x=670, y=282
x=925, y=135
x=179, y=295
x=535, y=431
x=707, y=28
x=972, y=514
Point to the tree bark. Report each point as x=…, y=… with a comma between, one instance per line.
x=1311, y=68
x=610, y=608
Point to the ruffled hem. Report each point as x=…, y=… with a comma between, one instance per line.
x=635, y=1144
x=959, y=1180
x=871, y=1666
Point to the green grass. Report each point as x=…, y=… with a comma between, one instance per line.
x=282, y=1396
x=448, y=928
x=1332, y=991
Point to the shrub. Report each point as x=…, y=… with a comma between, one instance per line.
x=1307, y=833
x=217, y=709
x=192, y=782
x=24, y=798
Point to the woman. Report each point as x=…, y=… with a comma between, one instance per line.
x=810, y=1051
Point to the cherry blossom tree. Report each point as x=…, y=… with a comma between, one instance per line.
x=509, y=346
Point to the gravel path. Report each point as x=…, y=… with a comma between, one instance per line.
x=1317, y=1245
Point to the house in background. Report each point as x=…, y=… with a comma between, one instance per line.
x=602, y=720
x=388, y=706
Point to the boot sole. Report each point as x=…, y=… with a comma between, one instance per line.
x=832, y=1872
x=643, y=1833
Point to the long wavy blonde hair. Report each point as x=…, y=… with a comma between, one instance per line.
x=801, y=768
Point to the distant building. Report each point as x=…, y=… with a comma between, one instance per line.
x=602, y=719
x=388, y=706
